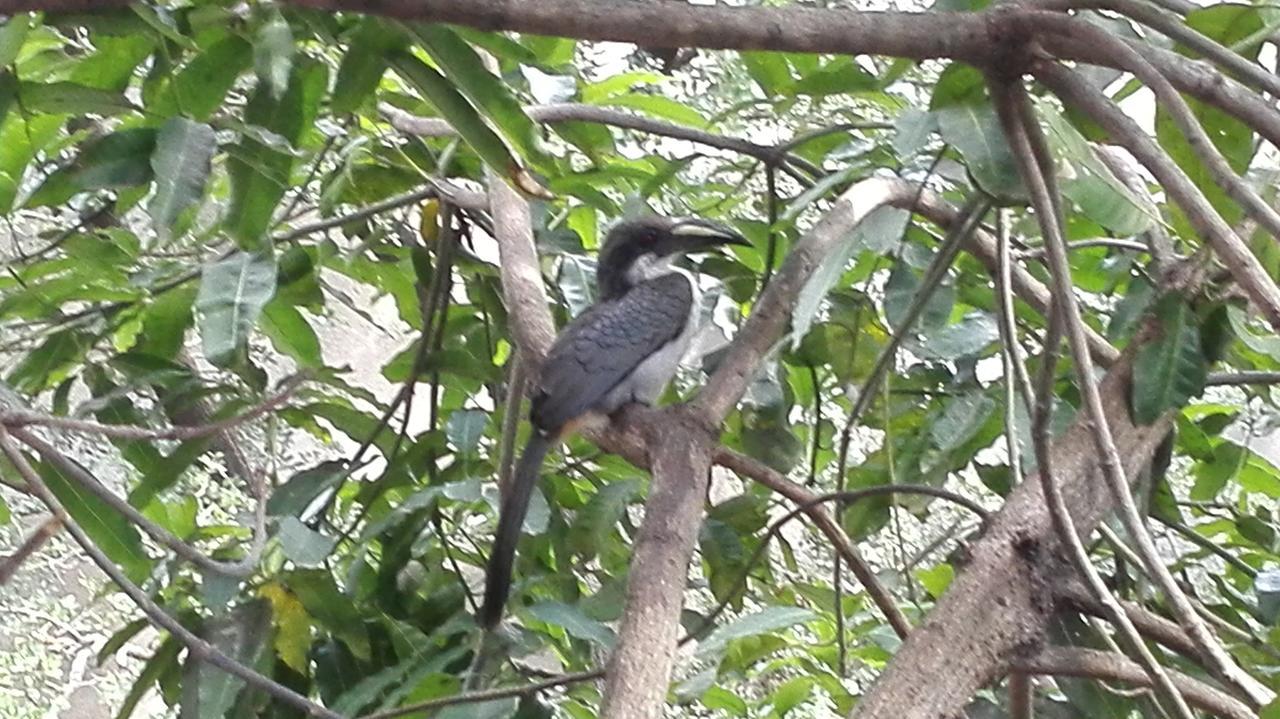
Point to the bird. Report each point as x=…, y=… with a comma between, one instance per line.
x=624, y=348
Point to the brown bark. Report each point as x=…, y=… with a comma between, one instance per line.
x=997, y=608
x=640, y=668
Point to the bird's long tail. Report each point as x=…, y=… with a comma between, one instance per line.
x=514, y=506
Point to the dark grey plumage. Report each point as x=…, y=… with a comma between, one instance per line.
x=605, y=344
x=624, y=348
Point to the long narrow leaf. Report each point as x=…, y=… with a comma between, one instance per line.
x=455, y=109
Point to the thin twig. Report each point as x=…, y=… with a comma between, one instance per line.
x=846, y=550
x=73, y=471
x=484, y=695
x=846, y=497
x=9, y=565
x=14, y=418
x=197, y=648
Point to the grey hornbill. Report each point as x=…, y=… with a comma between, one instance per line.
x=624, y=348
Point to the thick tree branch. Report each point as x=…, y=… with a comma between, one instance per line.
x=1036, y=167
x=640, y=667
x=522, y=289
x=965, y=36
x=1000, y=604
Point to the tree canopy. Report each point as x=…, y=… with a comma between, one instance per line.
x=974, y=426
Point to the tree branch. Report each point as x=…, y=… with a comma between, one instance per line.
x=1094, y=664
x=822, y=518
x=1245, y=268
x=771, y=155
x=964, y=36
x=197, y=648
x=1035, y=166
x=73, y=471
x=639, y=669
x=9, y=565
x=1025, y=139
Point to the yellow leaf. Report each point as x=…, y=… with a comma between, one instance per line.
x=293, y=627
x=429, y=223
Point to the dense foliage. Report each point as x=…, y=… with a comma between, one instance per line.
x=207, y=203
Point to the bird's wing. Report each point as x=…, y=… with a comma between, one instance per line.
x=602, y=346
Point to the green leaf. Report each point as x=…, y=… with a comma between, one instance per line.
x=974, y=130
x=901, y=289
x=912, y=130
x=464, y=118
x=231, y=297
x=13, y=32
x=291, y=334
x=293, y=497
x=366, y=59
x=114, y=535
x=596, y=520
x=163, y=660
x=273, y=54
x=661, y=107
x=573, y=621
x=960, y=420
x=1266, y=587
x=181, y=162
x=209, y=692
x=303, y=545
x=791, y=694
x=260, y=173
x=966, y=338
x=121, y=159
x=330, y=608
x=69, y=98
x=769, y=619
x=1173, y=367
x=50, y=362
x=840, y=76
x=487, y=93
x=1093, y=188
x=769, y=70
x=881, y=223
x=465, y=428
x=199, y=88
x=936, y=579
x=113, y=65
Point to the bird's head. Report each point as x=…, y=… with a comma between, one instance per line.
x=644, y=247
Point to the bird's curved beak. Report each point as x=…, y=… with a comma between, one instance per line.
x=701, y=234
